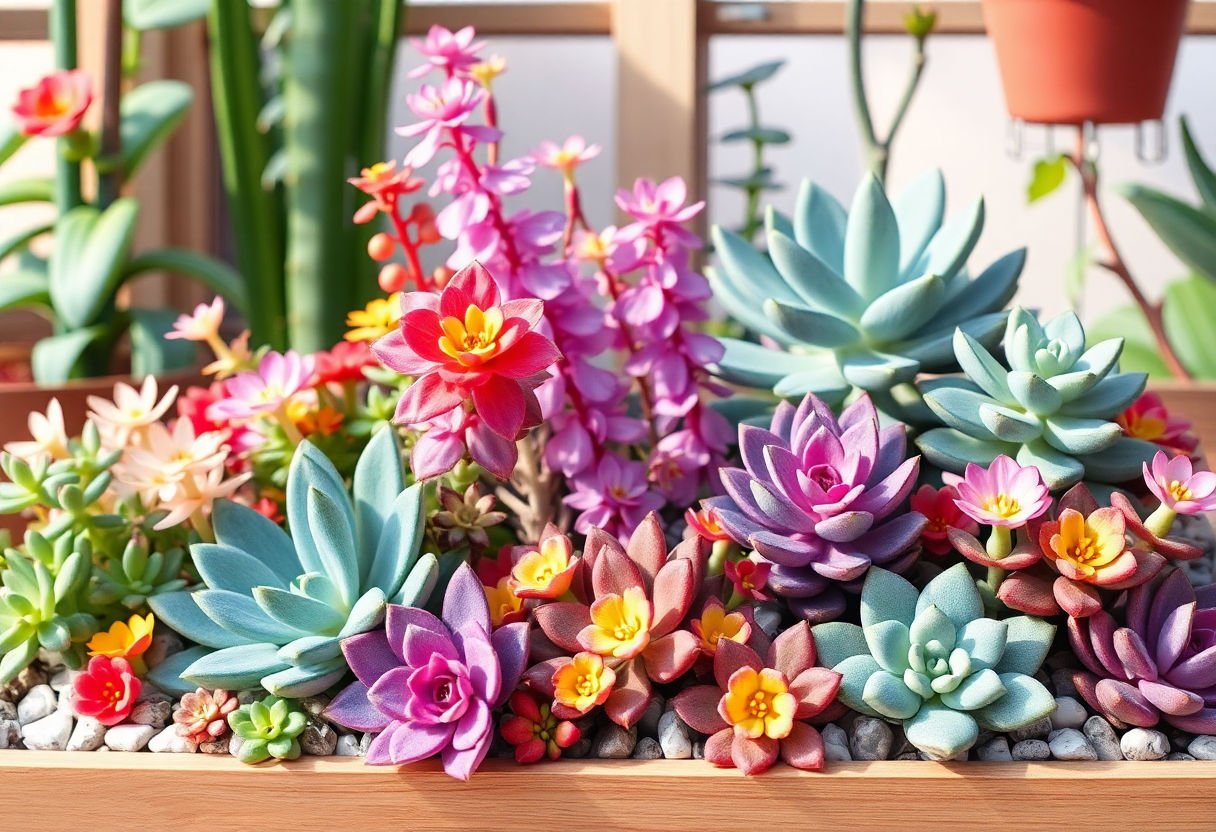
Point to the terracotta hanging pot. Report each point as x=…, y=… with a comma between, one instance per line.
x=1073, y=61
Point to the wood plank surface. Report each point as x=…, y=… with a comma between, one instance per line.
x=92, y=792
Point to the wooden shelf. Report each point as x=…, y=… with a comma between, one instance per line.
x=134, y=792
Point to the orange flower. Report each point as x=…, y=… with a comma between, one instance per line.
x=505, y=606
x=759, y=704
x=125, y=640
x=584, y=683
x=1089, y=549
x=715, y=624
x=545, y=572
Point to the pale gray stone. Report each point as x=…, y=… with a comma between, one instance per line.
x=169, y=742
x=41, y=701
x=871, y=739
x=769, y=620
x=51, y=733
x=698, y=750
x=1178, y=757
x=10, y=733
x=1036, y=730
x=996, y=750
x=1202, y=748
x=347, y=746
x=63, y=678
x=1142, y=744
x=129, y=737
x=365, y=743
x=234, y=744
x=8, y=710
x=612, y=742
x=1069, y=713
x=674, y=737
x=835, y=744
x=960, y=757
x=1031, y=750
x=1102, y=737
x=219, y=746
x=153, y=712
x=648, y=748
x=1070, y=744
x=88, y=735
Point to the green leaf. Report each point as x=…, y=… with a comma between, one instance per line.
x=151, y=352
x=1025, y=700
x=871, y=241
x=747, y=78
x=1203, y=175
x=1140, y=353
x=214, y=274
x=1188, y=232
x=11, y=140
x=150, y=112
x=21, y=238
x=764, y=135
x=162, y=14
x=56, y=356
x=760, y=180
x=246, y=530
x=88, y=258
x=33, y=189
x=234, y=668
x=377, y=482
x=1048, y=175
x=179, y=611
x=941, y=732
x=23, y=288
x=1187, y=316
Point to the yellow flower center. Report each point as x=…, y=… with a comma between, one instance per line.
x=474, y=340
x=759, y=703
x=1147, y=428
x=620, y=624
x=502, y=601
x=379, y=172
x=583, y=681
x=1089, y=544
x=537, y=569
x=1179, y=491
x=716, y=624
x=1003, y=505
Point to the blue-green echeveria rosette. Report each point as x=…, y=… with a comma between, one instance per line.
x=276, y=608
x=933, y=662
x=866, y=300
x=1054, y=407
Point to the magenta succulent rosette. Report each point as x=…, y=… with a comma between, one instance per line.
x=816, y=497
x=428, y=685
x=1160, y=665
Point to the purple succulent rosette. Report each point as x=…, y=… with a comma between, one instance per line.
x=429, y=685
x=1161, y=665
x=816, y=497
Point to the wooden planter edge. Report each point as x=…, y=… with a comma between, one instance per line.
x=71, y=791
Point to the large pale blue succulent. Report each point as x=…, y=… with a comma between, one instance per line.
x=276, y=607
x=866, y=300
x=1054, y=408
x=933, y=662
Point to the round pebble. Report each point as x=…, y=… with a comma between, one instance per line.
x=871, y=739
x=835, y=744
x=612, y=742
x=88, y=735
x=1070, y=744
x=10, y=733
x=1031, y=750
x=1069, y=713
x=995, y=750
x=318, y=739
x=1102, y=737
x=347, y=746
x=51, y=733
x=41, y=701
x=152, y=712
x=1202, y=748
x=674, y=737
x=648, y=748
x=168, y=741
x=1039, y=729
x=1178, y=757
x=129, y=737
x=1142, y=744
x=220, y=746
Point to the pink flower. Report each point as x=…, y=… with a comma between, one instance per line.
x=453, y=52
x=1004, y=494
x=565, y=157
x=444, y=109
x=660, y=208
x=1178, y=486
x=614, y=496
x=447, y=437
x=202, y=325
x=266, y=390
x=55, y=105
x=939, y=506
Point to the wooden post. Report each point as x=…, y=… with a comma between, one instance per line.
x=662, y=70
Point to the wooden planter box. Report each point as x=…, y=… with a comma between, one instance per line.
x=64, y=792
x=1195, y=402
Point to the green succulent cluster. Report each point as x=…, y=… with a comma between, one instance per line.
x=129, y=579
x=1053, y=408
x=41, y=594
x=866, y=300
x=269, y=728
x=275, y=608
x=933, y=662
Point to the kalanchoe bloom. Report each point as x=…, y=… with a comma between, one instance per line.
x=464, y=519
x=534, y=731
x=716, y=624
x=203, y=716
x=55, y=105
x=755, y=710
x=932, y=661
x=428, y=684
x=544, y=571
x=385, y=184
x=452, y=52
x=201, y=325
x=124, y=640
x=580, y=683
x=269, y=728
x=704, y=522
x=1148, y=418
x=613, y=496
x=279, y=376
x=939, y=507
x=1178, y=486
x=748, y=577
x=818, y=497
x=639, y=597
x=50, y=436
x=444, y=112
x=1161, y=664
x=505, y=606
x=661, y=206
x=130, y=412
x=106, y=690
x=373, y=322
x=343, y=364
x=565, y=157
x=1004, y=494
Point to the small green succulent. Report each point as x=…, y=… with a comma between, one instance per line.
x=269, y=728
x=863, y=301
x=135, y=576
x=1054, y=408
x=40, y=605
x=932, y=661
x=276, y=608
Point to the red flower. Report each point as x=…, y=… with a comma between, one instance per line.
x=1148, y=419
x=748, y=577
x=55, y=105
x=193, y=405
x=107, y=690
x=345, y=362
x=535, y=731
x=270, y=509
x=937, y=504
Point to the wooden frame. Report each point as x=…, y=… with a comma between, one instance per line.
x=117, y=791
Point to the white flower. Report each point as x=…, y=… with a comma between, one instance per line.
x=196, y=493
x=167, y=457
x=202, y=325
x=130, y=412
x=50, y=437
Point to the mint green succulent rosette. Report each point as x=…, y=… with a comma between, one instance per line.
x=1053, y=408
x=863, y=300
x=934, y=663
x=276, y=608
x=269, y=728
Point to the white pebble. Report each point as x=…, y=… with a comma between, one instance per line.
x=348, y=746
x=51, y=733
x=129, y=737
x=39, y=702
x=1069, y=713
x=89, y=735
x=1070, y=744
x=168, y=741
x=1143, y=744
x=1202, y=748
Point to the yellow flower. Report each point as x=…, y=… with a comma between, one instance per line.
x=620, y=624
x=545, y=572
x=759, y=704
x=124, y=640
x=1087, y=548
x=505, y=605
x=485, y=72
x=375, y=320
x=583, y=683
x=716, y=623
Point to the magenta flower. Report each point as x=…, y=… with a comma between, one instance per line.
x=660, y=208
x=448, y=436
x=444, y=112
x=452, y=52
x=1177, y=485
x=266, y=390
x=613, y=496
x=565, y=157
x=1004, y=494
x=427, y=685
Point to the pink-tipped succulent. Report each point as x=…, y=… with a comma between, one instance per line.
x=638, y=596
x=203, y=716
x=819, y=498
x=428, y=685
x=755, y=710
x=1161, y=664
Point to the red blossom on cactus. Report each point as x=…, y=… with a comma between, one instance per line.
x=55, y=105
x=534, y=731
x=203, y=715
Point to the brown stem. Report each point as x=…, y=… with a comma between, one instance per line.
x=534, y=495
x=1113, y=262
